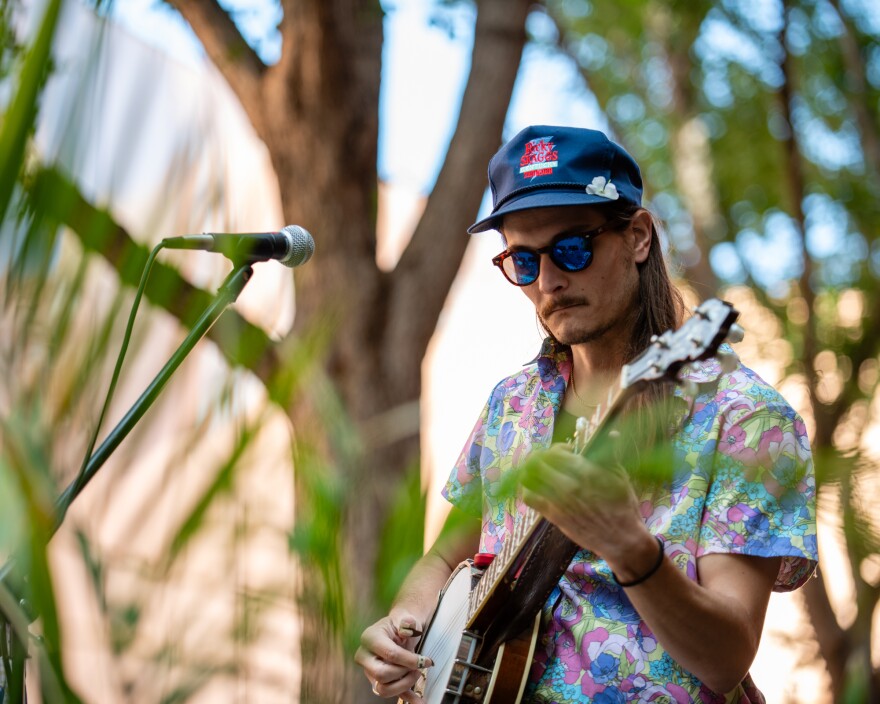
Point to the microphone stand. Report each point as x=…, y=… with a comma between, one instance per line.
x=227, y=294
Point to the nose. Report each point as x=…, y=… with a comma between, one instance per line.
x=550, y=277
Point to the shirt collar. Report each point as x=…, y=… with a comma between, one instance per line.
x=553, y=360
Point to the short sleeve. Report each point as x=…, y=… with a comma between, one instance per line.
x=463, y=489
x=762, y=497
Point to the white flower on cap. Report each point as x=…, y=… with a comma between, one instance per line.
x=599, y=187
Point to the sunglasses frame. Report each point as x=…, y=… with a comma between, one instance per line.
x=499, y=259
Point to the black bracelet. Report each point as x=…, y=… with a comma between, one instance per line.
x=649, y=573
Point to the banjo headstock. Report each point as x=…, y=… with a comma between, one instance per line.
x=713, y=323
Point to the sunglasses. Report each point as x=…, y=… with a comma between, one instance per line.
x=570, y=252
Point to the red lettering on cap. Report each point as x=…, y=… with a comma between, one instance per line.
x=539, y=158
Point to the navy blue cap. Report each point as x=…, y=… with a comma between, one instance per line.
x=546, y=166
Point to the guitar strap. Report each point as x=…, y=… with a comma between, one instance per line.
x=526, y=593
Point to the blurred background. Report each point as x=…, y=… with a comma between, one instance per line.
x=265, y=509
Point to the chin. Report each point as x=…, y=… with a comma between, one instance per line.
x=575, y=337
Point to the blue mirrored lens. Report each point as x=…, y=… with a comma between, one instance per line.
x=572, y=253
x=522, y=267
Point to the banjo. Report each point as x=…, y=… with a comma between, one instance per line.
x=483, y=632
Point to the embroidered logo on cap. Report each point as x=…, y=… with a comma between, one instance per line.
x=540, y=158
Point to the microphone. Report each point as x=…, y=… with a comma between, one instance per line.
x=292, y=246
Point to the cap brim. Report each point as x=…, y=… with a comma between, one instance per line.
x=537, y=199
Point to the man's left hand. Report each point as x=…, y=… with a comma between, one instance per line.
x=594, y=506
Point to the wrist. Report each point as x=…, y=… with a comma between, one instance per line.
x=639, y=564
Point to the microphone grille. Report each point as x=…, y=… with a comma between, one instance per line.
x=300, y=245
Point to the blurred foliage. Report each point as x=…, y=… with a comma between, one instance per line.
x=61, y=329
x=657, y=66
x=67, y=270
x=27, y=588
x=403, y=537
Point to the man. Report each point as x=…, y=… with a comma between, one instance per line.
x=666, y=599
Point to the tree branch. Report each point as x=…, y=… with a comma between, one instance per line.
x=857, y=95
x=431, y=261
x=833, y=640
x=237, y=62
x=793, y=169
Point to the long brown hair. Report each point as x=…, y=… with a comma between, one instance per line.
x=661, y=305
x=652, y=414
x=651, y=417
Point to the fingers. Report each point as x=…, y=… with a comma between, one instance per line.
x=391, y=656
x=559, y=474
x=401, y=687
x=391, y=668
x=378, y=670
x=543, y=476
x=386, y=641
x=576, y=495
x=411, y=696
x=408, y=627
x=556, y=475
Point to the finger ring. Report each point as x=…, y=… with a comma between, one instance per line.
x=421, y=665
x=375, y=688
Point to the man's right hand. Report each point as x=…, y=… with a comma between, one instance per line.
x=387, y=647
x=387, y=656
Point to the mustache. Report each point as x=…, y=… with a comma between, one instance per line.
x=563, y=302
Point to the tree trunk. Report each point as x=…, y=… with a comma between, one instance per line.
x=835, y=644
x=691, y=152
x=833, y=641
x=317, y=112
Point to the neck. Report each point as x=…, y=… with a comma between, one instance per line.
x=595, y=370
x=596, y=365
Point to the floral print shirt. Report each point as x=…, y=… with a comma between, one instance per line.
x=742, y=483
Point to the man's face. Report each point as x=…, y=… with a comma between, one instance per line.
x=589, y=305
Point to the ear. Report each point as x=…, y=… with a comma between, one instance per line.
x=642, y=229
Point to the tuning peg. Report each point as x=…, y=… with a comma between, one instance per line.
x=660, y=341
x=728, y=362
x=735, y=334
